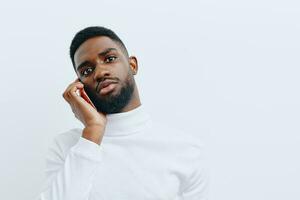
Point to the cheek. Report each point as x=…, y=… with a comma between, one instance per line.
x=124, y=82
x=127, y=78
x=122, y=73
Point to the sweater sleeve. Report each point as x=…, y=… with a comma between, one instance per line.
x=196, y=187
x=196, y=184
x=70, y=177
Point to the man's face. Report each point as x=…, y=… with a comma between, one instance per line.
x=101, y=59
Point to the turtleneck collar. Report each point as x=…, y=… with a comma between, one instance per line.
x=127, y=123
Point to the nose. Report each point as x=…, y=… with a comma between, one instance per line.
x=100, y=72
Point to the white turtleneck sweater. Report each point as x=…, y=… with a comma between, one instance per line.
x=137, y=159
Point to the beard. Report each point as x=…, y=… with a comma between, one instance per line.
x=110, y=103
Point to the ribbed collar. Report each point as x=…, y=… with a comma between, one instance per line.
x=127, y=123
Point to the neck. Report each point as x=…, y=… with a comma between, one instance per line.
x=127, y=123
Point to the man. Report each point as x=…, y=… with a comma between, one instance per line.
x=121, y=153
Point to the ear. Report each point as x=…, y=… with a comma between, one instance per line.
x=133, y=64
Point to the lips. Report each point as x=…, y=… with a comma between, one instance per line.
x=104, y=84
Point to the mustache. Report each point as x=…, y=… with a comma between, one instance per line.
x=103, y=79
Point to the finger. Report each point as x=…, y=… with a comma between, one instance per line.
x=77, y=80
x=72, y=92
x=74, y=84
x=73, y=98
x=76, y=98
x=67, y=93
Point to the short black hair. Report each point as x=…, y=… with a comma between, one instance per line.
x=90, y=32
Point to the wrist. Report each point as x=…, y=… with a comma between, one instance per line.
x=93, y=133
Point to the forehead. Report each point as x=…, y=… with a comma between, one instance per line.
x=92, y=47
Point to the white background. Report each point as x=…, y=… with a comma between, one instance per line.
x=225, y=70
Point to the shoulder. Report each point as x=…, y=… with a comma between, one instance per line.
x=176, y=134
x=190, y=144
x=68, y=136
x=62, y=142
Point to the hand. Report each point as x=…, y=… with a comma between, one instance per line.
x=93, y=120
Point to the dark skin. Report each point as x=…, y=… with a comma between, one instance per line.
x=95, y=59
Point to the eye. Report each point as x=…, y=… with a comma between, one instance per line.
x=109, y=59
x=86, y=71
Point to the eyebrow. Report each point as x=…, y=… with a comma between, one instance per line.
x=103, y=53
